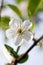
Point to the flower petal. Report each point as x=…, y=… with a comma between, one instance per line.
x=15, y=23
x=17, y=40
x=10, y=33
x=23, y=42
x=27, y=35
x=26, y=24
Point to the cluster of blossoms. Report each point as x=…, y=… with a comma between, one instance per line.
x=19, y=31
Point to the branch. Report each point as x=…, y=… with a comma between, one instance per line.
x=24, y=55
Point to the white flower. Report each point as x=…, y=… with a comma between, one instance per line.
x=19, y=30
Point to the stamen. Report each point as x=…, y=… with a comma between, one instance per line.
x=19, y=31
x=24, y=30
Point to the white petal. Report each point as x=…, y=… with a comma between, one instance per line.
x=23, y=42
x=15, y=23
x=7, y=54
x=27, y=35
x=26, y=24
x=17, y=40
x=10, y=33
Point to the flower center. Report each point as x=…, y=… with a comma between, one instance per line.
x=19, y=31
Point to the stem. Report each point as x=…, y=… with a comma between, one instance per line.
x=1, y=6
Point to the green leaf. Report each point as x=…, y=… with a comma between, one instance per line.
x=32, y=28
x=41, y=10
x=42, y=0
x=4, y=22
x=18, y=49
x=33, y=7
x=16, y=10
x=18, y=1
x=11, y=51
x=24, y=59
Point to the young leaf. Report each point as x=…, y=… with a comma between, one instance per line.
x=24, y=59
x=11, y=51
x=33, y=6
x=18, y=1
x=4, y=22
x=16, y=10
x=31, y=29
x=18, y=49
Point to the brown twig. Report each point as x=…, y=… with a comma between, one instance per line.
x=1, y=6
